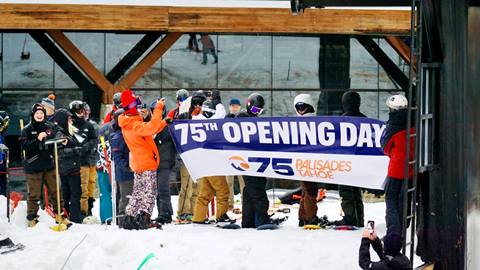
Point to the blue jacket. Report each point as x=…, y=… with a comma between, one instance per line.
x=120, y=155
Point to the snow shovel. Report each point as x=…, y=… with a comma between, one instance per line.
x=61, y=223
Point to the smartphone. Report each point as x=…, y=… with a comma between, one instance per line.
x=371, y=226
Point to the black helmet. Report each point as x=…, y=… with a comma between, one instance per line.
x=255, y=104
x=117, y=100
x=181, y=95
x=76, y=106
x=208, y=109
x=4, y=121
x=198, y=97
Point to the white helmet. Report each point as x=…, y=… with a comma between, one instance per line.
x=304, y=102
x=397, y=102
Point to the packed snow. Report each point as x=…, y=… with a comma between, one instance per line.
x=186, y=246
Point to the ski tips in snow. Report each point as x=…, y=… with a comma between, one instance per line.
x=59, y=227
x=11, y=248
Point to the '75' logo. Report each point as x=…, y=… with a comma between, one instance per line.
x=282, y=166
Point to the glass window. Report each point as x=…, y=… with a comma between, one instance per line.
x=283, y=101
x=244, y=61
x=64, y=97
x=363, y=67
x=92, y=45
x=25, y=63
x=295, y=62
x=183, y=68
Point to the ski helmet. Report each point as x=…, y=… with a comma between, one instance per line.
x=117, y=100
x=397, y=102
x=198, y=98
x=76, y=106
x=255, y=104
x=181, y=95
x=208, y=110
x=303, y=104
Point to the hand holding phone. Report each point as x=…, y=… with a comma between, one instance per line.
x=371, y=226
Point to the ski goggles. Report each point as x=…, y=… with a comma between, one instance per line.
x=135, y=104
x=181, y=99
x=256, y=110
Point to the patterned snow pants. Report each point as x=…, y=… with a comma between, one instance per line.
x=144, y=193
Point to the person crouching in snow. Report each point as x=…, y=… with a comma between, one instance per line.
x=211, y=185
x=394, y=145
x=389, y=253
x=307, y=214
x=144, y=159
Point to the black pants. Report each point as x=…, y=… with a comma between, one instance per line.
x=254, y=202
x=352, y=205
x=3, y=184
x=394, y=194
x=164, y=203
x=72, y=190
x=209, y=51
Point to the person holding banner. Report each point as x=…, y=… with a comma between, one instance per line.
x=255, y=200
x=307, y=214
x=187, y=196
x=394, y=145
x=352, y=203
x=211, y=185
x=144, y=158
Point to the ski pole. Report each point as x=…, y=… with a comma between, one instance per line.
x=61, y=225
x=114, y=193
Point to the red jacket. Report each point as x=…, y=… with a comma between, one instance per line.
x=395, y=149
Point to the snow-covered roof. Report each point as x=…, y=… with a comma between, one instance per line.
x=185, y=3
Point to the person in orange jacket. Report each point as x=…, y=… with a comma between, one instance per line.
x=144, y=158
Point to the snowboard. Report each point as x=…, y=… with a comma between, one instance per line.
x=230, y=226
x=11, y=248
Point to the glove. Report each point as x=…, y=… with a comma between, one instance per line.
x=168, y=120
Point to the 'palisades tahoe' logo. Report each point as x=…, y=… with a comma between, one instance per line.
x=323, y=169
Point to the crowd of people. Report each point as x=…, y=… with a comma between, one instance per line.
x=133, y=147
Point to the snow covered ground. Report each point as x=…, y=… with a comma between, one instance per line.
x=186, y=246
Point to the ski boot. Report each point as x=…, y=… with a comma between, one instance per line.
x=91, y=201
x=225, y=219
x=32, y=220
x=129, y=223
x=164, y=219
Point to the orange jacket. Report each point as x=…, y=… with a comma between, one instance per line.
x=139, y=138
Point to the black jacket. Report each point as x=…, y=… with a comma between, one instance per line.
x=38, y=156
x=68, y=155
x=89, y=144
x=399, y=262
x=166, y=149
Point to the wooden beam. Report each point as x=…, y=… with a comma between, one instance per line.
x=392, y=70
x=203, y=19
x=271, y=20
x=82, y=62
x=132, y=56
x=149, y=60
x=402, y=49
x=83, y=17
